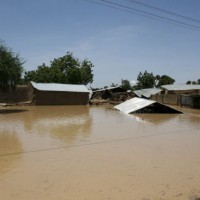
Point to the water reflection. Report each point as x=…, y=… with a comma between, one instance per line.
x=66, y=123
x=155, y=119
x=10, y=111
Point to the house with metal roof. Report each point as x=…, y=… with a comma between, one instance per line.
x=181, y=89
x=57, y=94
x=108, y=92
x=177, y=94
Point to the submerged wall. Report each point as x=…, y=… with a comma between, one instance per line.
x=172, y=99
x=60, y=98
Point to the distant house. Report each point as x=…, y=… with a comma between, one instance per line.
x=108, y=92
x=112, y=89
x=178, y=95
x=181, y=89
x=57, y=94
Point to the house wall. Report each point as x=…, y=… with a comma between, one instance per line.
x=181, y=91
x=59, y=98
x=172, y=99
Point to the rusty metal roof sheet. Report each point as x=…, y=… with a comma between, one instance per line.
x=59, y=87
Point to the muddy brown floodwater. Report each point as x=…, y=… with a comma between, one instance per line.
x=96, y=153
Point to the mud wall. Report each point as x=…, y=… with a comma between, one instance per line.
x=20, y=94
x=172, y=99
x=60, y=98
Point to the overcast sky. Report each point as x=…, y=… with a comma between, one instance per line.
x=120, y=44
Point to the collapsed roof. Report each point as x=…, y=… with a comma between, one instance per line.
x=147, y=92
x=140, y=105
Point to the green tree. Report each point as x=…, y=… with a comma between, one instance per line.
x=198, y=81
x=10, y=68
x=65, y=69
x=113, y=85
x=165, y=80
x=188, y=82
x=145, y=80
x=126, y=84
x=194, y=82
x=86, y=72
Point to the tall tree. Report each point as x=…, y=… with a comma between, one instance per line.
x=188, y=82
x=145, y=80
x=10, y=68
x=65, y=69
x=86, y=72
x=194, y=82
x=126, y=84
x=165, y=80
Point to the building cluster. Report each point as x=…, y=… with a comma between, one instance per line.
x=66, y=94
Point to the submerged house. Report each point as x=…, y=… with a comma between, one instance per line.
x=57, y=94
x=140, y=105
x=179, y=95
x=108, y=92
x=181, y=89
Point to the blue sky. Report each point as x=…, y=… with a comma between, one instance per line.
x=119, y=44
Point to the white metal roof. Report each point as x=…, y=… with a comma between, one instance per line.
x=108, y=88
x=181, y=87
x=134, y=104
x=147, y=92
x=59, y=87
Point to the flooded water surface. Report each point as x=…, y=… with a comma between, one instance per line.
x=96, y=153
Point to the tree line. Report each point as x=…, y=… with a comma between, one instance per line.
x=147, y=80
x=66, y=69
x=193, y=82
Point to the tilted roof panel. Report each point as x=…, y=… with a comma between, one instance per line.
x=147, y=92
x=134, y=104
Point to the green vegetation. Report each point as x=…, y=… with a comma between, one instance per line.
x=164, y=80
x=145, y=80
x=126, y=84
x=148, y=80
x=66, y=69
x=193, y=82
x=10, y=68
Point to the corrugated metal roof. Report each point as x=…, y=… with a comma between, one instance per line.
x=133, y=105
x=147, y=92
x=59, y=87
x=181, y=87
